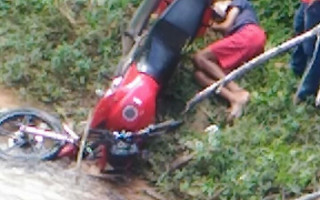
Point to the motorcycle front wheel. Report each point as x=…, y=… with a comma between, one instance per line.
x=16, y=144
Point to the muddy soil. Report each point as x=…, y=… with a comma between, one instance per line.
x=49, y=181
x=10, y=99
x=58, y=180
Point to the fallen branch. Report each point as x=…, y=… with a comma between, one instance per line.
x=82, y=146
x=181, y=162
x=311, y=196
x=215, y=87
x=153, y=194
x=217, y=194
x=65, y=11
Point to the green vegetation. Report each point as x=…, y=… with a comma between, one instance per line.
x=271, y=151
x=59, y=51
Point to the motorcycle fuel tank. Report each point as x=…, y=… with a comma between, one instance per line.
x=130, y=103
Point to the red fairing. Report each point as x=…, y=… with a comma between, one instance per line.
x=205, y=22
x=162, y=6
x=130, y=106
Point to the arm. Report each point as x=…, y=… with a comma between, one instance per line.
x=228, y=22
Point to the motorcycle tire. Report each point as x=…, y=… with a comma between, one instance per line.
x=10, y=122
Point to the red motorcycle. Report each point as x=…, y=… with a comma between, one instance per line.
x=126, y=113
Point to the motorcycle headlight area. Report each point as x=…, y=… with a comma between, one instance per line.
x=122, y=148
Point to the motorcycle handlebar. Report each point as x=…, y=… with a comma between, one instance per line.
x=151, y=130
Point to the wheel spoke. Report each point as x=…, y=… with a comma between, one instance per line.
x=33, y=149
x=4, y=131
x=27, y=119
x=14, y=123
x=12, y=147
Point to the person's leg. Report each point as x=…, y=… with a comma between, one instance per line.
x=312, y=18
x=311, y=79
x=205, y=81
x=226, y=55
x=236, y=103
x=206, y=61
x=298, y=60
x=235, y=95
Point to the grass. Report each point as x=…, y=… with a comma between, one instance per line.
x=271, y=151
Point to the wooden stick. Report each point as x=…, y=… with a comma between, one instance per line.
x=153, y=194
x=311, y=196
x=250, y=65
x=181, y=161
x=65, y=11
x=82, y=146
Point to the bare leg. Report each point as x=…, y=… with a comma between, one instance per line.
x=208, y=63
x=237, y=99
x=205, y=81
x=208, y=71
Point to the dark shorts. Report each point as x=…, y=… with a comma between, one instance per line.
x=238, y=48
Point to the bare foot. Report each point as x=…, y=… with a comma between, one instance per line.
x=236, y=108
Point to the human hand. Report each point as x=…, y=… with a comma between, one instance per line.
x=215, y=25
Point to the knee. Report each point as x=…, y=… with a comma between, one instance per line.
x=198, y=74
x=195, y=58
x=198, y=60
x=200, y=78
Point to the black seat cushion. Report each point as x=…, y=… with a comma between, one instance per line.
x=177, y=25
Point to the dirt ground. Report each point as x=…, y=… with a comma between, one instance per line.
x=58, y=180
x=10, y=99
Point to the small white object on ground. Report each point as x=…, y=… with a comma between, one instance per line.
x=213, y=128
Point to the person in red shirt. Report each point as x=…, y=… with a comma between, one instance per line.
x=243, y=40
x=306, y=17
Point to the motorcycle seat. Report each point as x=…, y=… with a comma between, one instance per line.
x=177, y=26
